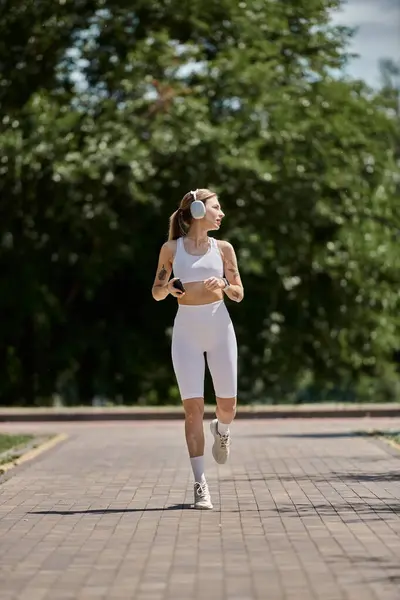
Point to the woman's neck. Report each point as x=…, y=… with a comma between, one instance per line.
x=198, y=238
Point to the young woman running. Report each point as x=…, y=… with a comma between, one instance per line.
x=207, y=269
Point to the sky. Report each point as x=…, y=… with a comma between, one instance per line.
x=378, y=35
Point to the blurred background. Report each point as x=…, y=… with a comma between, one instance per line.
x=111, y=111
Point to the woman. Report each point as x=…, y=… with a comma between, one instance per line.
x=208, y=270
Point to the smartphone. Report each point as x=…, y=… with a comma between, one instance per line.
x=178, y=285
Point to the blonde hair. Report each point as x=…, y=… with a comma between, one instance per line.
x=181, y=219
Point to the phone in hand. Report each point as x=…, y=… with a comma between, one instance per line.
x=178, y=285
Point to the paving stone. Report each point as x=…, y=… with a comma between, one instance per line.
x=303, y=510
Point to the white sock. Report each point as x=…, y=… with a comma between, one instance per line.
x=223, y=428
x=198, y=468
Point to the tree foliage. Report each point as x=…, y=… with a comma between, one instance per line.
x=109, y=113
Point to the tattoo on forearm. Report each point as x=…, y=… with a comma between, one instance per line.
x=232, y=268
x=162, y=274
x=235, y=294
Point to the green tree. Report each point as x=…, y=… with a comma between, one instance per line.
x=140, y=104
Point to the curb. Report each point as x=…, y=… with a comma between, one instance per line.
x=389, y=442
x=176, y=412
x=31, y=454
x=379, y=435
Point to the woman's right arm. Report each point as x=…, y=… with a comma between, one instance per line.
x=163, y=285
x=160, y=286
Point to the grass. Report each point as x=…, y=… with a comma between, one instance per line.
x=19, y=447
x=12, y=442
x=393, y=436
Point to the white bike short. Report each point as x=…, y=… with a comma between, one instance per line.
x=199, y=330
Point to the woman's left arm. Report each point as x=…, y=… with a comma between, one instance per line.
x=234, y=290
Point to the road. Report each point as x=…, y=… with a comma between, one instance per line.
x=305, y=509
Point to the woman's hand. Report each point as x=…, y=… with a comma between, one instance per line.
x=214, y=283
x=173, y=290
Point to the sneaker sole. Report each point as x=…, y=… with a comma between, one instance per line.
x=213, y=429
x=203, y=507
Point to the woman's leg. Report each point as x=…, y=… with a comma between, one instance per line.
x=189, y=366
x=222, y=362
x=226, y=412
x=194, y=432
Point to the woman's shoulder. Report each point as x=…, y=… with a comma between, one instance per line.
x=224, y=245
x=169, y=247
x=170, y=244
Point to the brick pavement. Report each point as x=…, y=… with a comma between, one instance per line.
x=304, y=510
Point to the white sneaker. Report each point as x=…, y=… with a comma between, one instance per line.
x=220, y=449
x=202, y=498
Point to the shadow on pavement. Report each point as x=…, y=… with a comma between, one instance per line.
x=108, y=511
x=310, y=435
x=340, y=509
x=387, y=476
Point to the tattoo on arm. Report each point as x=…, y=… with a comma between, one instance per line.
x=235, y=294
x=162, y=274
x=232, y=268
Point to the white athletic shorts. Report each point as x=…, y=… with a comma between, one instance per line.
x=199, y=330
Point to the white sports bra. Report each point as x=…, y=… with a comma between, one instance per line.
x=190, y=268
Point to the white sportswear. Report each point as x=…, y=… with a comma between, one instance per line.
x=199, y=329
x=203, y=329
x=190, y=267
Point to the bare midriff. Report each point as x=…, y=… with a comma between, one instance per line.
x=196, y=293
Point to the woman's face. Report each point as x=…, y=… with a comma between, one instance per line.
x=214, y=214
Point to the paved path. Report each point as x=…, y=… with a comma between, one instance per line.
x=303, y=510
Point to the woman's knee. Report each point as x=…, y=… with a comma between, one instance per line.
x=194, y=409
x=227, y=407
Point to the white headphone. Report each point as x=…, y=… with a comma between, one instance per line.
x=197, y=207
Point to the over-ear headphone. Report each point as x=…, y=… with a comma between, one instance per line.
x=197, y=207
